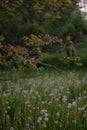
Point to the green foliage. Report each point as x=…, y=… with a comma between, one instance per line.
x=33, y=28
x=75, y=27
x=34, y=49
x=72, y=62
x=24, y=17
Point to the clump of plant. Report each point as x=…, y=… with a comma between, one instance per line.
x=72, y=61
x=15, y=57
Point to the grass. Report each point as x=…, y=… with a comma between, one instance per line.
x=46, y=101
x=51, y=99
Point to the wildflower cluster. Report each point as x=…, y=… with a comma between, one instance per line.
x=45, y=102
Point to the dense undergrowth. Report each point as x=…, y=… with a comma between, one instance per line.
x=55, y=59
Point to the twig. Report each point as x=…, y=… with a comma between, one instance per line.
x=47, y=65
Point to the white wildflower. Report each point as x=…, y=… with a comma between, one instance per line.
x=69, y=105
x=27, y=102
x=84, y=115
x=83, y=108
x=64, y=98
x=56, y=122
x=79, y=98
x=28, y=105
x=46, y=119
x=84, y=92
x=31, y=90
x=74, y=104
x=84, y=97
x=36, y=92
x=33, y=97
x=25, y=91
x=60, y=125
x=51, y=94
x=7, y=117
x=58, y=114
x=11, y=128
x=78, y=81
x=7, y=102
x=34, y=108
x=43, y=111
x=4, y=95
x=39, y=119
x=49, y=103
x=8, y=107
x=39, y=96
x=61, y=87
x=57, y=99
x=59, y=105
x=29, y=118
x=43, y=102
x=46, y=114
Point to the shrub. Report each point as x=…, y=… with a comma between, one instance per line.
x=75, y=27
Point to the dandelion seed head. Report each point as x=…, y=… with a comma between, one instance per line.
x=61, y=87
x=43, y=111
x=84, y=97
x=11, y=128
x=8, y=107
x=60, y=125
x=46, y=114
x=84, y=92
x=74, y=103
x=69, y=105
x=29, y=118
x=64, y=98
x=39, y=119
x=33, y=97
x=81, y=108
x=85, y=115
x=46, y=119
x=25, y=92
x=27, y=102
x=58, y=114
x=57, y=99
x=7, y=117
x=56, y=122
x=28, y=105
x=49, y=103
x=7, y=102
x=4, y=95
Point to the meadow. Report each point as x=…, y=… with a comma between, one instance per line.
x=51, y=99
x=55, y=100
x=43, y=65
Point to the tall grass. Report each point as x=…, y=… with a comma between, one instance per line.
x=45, y=101
x=54, y=99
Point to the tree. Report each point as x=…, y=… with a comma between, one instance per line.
x=18, y=16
